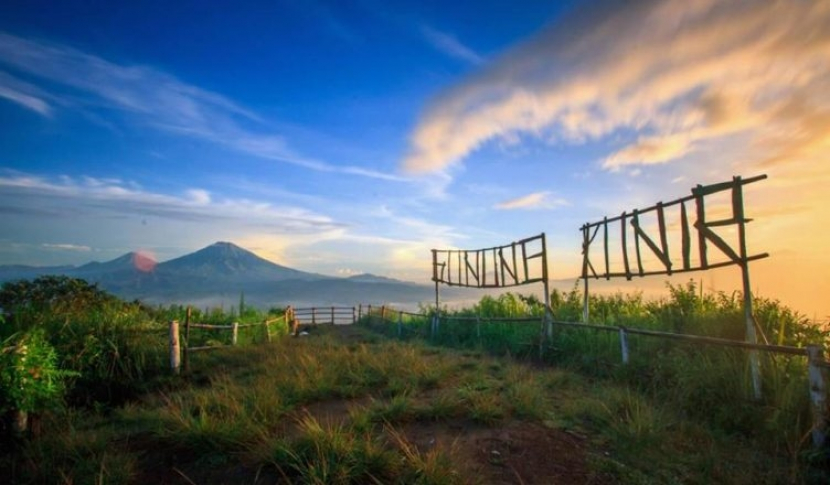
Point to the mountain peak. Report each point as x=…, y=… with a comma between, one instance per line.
x=371, y=278
x=224, y=259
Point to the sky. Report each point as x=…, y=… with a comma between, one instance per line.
x=350, y=137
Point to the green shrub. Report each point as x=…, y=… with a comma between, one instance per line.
x=30, y=379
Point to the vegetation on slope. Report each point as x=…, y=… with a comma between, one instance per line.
x=347, y=405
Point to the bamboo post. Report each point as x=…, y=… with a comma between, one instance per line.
x=235, y=332
x=187, y=315
x=400, y=324
x=187, y=327
x=624, y=345
x=751, y=337
x=175, y=350
x=267, y=329
x=548, y=319
x=818, y=394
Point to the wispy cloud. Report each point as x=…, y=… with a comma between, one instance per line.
x=679, y=73
x=149, y=97
x=536, y=200
x=88, y=197
x=67, y=247
x=24, y=94
x=449, y=45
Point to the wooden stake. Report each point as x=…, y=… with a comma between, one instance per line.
x=625, y=247
x=267, y=330
x=175, y=351
x=605, y=246
x=234, y=332
x=818, y=394
x=664, y=243
x=635, y=221
x=749, y=318
x=685, y=237
x=624, y=345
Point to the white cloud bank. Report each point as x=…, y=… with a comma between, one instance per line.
x=678, y=73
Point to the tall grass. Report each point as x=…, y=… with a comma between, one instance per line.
x=706, y=383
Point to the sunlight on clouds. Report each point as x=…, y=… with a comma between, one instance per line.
x=701, y=69
x=649, y=151
x=536, y=200
x=677, y=91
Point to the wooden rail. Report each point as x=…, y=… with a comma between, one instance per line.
x=335, y=315
x=816, y=362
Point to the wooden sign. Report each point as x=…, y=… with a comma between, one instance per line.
x=518, y=263
x=630, y=246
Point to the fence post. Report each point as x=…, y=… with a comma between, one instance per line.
x=369, y=314
x=360, y=311
x=186, y=363
x=383, y=313
x=400, y=323
x=478, y=327
x=818, y=393
x=624, y=345
x=267, y=329
x=175, y=351
x=235, y=330
x=314, y=315
x=332, y=315
x=354, y=316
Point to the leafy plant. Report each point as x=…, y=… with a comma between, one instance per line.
x=30, y=379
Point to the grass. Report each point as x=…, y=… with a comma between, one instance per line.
x=702, y=383
x=387, y=403
x=324, y=410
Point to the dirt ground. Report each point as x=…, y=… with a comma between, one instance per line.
x=513, y=452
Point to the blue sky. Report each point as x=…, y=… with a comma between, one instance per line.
x=347, y=137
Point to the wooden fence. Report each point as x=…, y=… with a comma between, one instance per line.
x=177, y=350
x=333, y=315
x=816, y=362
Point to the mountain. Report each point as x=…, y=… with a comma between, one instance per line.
x=221, y=273
x=370, y=278
x=21, y=271
x=232, y=263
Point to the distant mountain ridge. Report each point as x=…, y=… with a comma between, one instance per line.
x=221, y=273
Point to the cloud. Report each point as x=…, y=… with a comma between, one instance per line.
x=536, y=200
x=450, y=46
x=67, y=247
x=649, y=151
x=93, y=198
x=24, y=94
x=148, y=97
x=680, y=75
